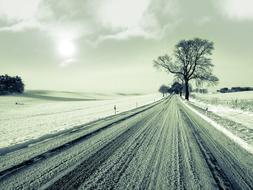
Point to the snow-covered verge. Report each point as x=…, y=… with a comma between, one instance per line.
x=235, y=114
x=235, y=119
x=236, y=100
x=232, y=130
x=35, y=114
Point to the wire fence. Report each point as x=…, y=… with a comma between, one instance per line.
x=244, y=104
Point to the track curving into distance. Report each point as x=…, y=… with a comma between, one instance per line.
x=164, y=146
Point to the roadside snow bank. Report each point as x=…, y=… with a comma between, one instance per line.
x=237, y=115
x=235, y=100
x=226, y=132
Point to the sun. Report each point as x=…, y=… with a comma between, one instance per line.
x=66, y=48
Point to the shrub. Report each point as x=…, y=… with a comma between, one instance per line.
x=9, y=85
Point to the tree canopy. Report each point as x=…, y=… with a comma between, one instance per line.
x=177, y=88
x=10, y=85
x=190, y=61
x=164, y=89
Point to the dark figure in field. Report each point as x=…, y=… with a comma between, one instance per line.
x=206, y=110
x=18, y=103
x=115, y=109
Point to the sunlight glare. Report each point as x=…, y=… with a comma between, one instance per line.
x=66, y=48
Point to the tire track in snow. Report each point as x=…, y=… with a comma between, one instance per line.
x=76, y=177
x=130, y=170
x=166, y=147
x=174, y=172
x=151, y=173
x=142, y=164
x=34, y=177
x=220, y=175
x=33, y=160
x=188, y=170
x=110, y=175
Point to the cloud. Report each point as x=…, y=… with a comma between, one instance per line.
x=204, y=20
x=15, y=10
x=122, y=13
x=146, y=19
x=95, y=20
x=124, y=35
x=237, y=9
x=21, y=26
x=18, y=15
x=68, y=62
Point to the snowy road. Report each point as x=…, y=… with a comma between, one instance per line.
x=159, y=146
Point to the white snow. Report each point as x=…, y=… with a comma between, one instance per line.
x=226, y=132
x=235, y=100
x=246, y=95
x=237, y=115
x=38, y=116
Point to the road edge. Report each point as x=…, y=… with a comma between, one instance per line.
x=222, y=129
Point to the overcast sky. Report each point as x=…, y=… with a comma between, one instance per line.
x=109, y=45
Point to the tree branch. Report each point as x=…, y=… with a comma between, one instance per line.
x=166, y=63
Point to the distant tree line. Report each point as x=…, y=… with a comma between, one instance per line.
x=200, y=90
x=164, y=90
x=235, y=89
x=175, y=88
x=9, y=85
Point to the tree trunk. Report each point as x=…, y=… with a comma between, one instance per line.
x=187, y=93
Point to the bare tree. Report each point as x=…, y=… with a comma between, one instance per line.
x=191, y=62
x=179, y=79
x=163, y=89
x=177, y=88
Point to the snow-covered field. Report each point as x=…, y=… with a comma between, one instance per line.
x=38, y=113
x=222, y=109
x=235, y=100
x=162, y=146
x=239, y=116
x=228, y=133
x=228, y=105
